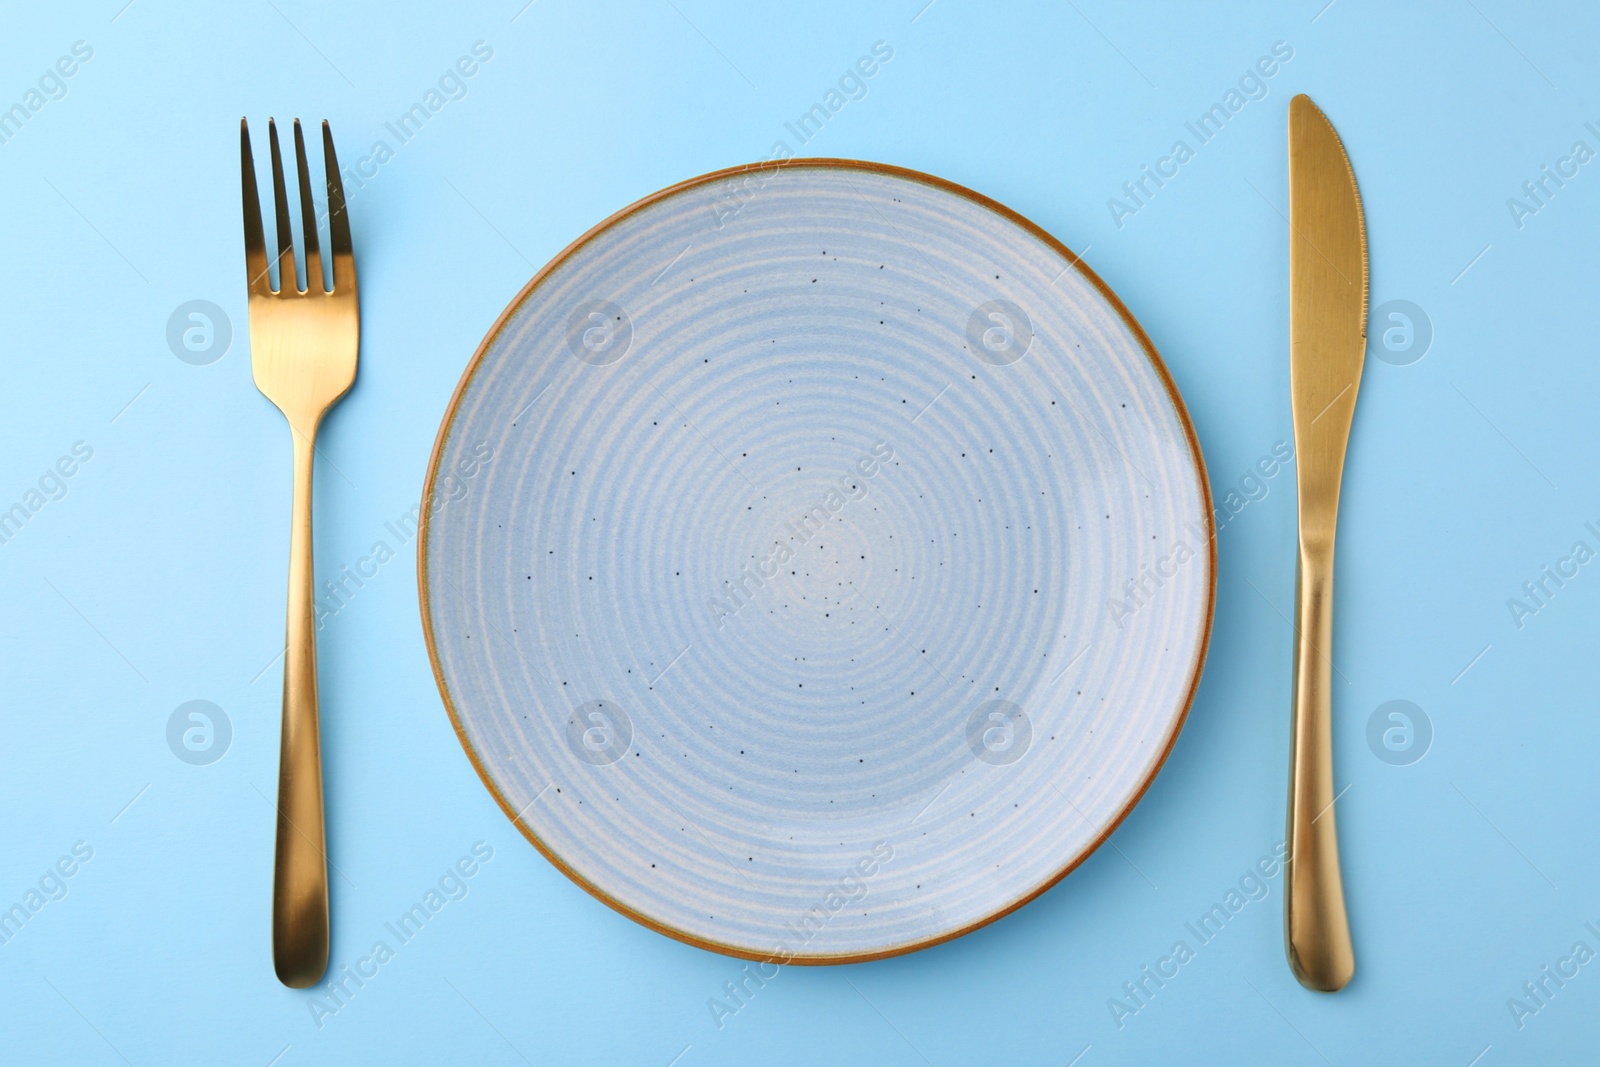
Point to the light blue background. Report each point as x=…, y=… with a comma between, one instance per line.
x=159, y=577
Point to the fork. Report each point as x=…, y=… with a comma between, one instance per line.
x=303, y=345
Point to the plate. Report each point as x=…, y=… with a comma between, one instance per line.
x=818, y=561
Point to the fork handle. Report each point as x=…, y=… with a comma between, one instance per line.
x=1317, y=931
x=300, y=869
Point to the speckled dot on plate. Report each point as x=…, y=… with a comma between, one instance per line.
x=818, y=562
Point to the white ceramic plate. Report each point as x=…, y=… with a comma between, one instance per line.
x=818, y=561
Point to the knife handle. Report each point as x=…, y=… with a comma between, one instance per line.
x=1316, y=930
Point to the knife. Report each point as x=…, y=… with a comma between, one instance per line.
x=1327, y=339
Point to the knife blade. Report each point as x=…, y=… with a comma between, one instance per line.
x=1327, y=339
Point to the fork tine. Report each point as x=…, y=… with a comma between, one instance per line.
x=339, y=247
x=308, y=215
x=287, y=284
x=255, y=241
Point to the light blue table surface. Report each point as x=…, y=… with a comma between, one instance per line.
x=154, y=574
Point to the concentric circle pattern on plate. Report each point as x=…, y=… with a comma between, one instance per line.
x=818, y=561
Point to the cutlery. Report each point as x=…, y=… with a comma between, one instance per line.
x=1327, y=338
x=303, y=356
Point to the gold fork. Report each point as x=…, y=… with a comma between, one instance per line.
x=303, y=355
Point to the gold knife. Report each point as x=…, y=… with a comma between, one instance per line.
x=1328, y=340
